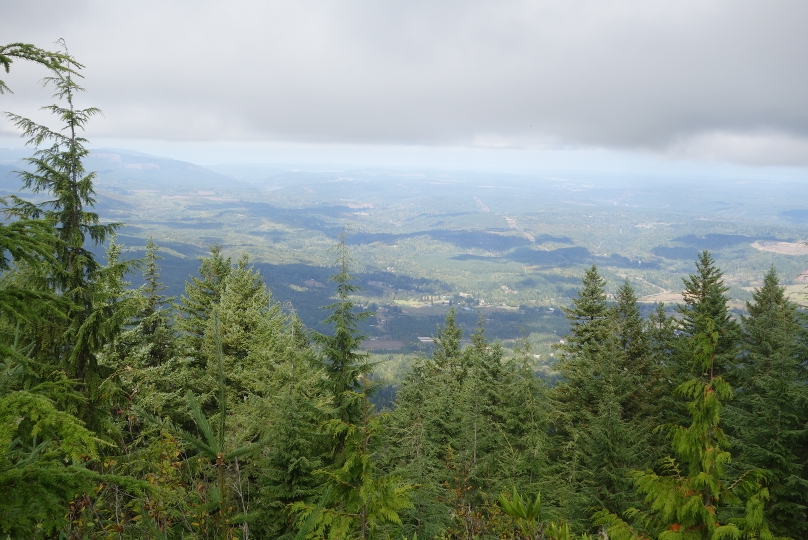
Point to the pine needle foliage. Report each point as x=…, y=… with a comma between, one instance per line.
x=706, y=303
x=44, y=450
x=361, y=498
x=58, y=62
x=693, y=498
x=213, y=444
x=769, y=417
x=344, y=364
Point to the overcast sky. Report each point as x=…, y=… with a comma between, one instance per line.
x=693, y=80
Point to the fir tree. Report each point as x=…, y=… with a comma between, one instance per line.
x=58, y=170
x=589, y=316
x=768, y=419
x=417, y=444
x=201, y=295
x=343, y=363
x=446, y=352
x=631, y=328
x=290, y=415
x=359, y=498
x=705, y=299
x=154, y=317
x=694, y=498
x=613, y=439
x=250, y=319
x=215, y=442
x=44, y=450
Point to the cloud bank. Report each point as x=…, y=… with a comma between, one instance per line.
x=706, y=80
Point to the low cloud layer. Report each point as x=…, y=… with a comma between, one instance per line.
x=706, y=80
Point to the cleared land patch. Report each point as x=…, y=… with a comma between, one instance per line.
x=783, y=248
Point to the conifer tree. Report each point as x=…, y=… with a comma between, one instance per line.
x=446, y=352
x=58, y=170
x=575, y=399
x=201, y=295
x=58, y=62
x=212, y=439
x=612, y=439
x=290, y=415
x=693, y=498
x=154, y=319
x=482, y=402
x=526, y=416
x=43, y=449
x=661, y=331
x=631, y=328
x=602, y=423
x=344, y=364
x=417, y=444
x=705, y=299
x=359, y=497
x=768, y=421
x=589, y=316
x=250, y=319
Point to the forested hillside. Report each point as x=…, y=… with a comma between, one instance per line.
x=125, y=413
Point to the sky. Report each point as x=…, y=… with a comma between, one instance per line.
x=500, y=84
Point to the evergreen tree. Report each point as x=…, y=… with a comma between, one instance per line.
x=446, y=352
x=154, y=319
x=213, y=440
x=344, y=364
x=705, y=299
x=603, y=423
x=58, y=62
x=44, y=450
x=635, y=340
x=96, y=306
x=613, y=439
x=25, y=243
x=661, y=331
x=290, y=415
x=358, y=498
x=201, y=295
x=417, y=444
x=526, y=416
x=58, y=170
x=483, y=405
x=631, y=328
x=694, y=498
x=769, y=419
x=589, y=317
x=250, y=319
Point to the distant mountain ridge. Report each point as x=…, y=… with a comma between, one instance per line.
x=123, y=169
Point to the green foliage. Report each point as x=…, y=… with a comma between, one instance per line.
x=212, y=443
x=360, y=498
x=58, y=62
x=122, y=418
x=589, y=317
x=526, y=513
x=343, y=363
x=44, y=451
x=290, y=414
x=768, y=419
x=693, y=497
x=705, y=304
x=201, y=295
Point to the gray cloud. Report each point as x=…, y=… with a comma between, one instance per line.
x=710, y=80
